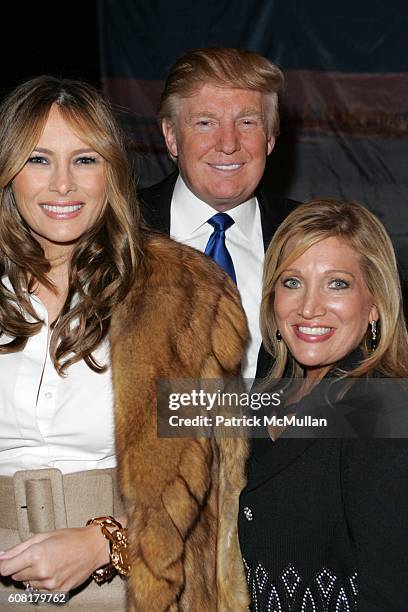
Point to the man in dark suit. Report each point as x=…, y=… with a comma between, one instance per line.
x=219, y=117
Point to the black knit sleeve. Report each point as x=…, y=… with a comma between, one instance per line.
x=375, y=494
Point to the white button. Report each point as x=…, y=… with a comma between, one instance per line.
x=48, y=395
x=248, y=514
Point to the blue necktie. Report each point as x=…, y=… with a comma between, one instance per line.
x=216, y=248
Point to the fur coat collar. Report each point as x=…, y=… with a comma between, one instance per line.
x=182, y=319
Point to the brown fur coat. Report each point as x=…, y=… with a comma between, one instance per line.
x=182, y=319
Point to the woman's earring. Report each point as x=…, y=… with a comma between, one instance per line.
x=373, y=332
x=278, y=335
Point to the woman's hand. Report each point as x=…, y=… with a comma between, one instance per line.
x=58, y=560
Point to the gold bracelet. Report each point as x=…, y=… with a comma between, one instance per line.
x=118, y=554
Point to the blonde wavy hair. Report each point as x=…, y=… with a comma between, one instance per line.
x=310, y=223
x=104, y=261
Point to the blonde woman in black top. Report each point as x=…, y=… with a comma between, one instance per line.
x=323, y=521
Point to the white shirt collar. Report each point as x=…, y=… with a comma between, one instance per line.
x=188, y=213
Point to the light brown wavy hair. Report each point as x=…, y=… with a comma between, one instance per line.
x=104, y=261
x=310, y=223
x=225, y=67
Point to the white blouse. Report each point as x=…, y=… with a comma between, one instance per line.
x=51, y=421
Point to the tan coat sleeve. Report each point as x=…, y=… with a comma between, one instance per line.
x=183, y=319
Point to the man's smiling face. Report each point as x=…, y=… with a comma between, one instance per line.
x=220, y=140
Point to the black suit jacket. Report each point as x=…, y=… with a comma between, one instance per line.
x=155, y=202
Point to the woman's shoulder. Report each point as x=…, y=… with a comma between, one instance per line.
x=186, y=272
x=179, y=292
x=167, y=259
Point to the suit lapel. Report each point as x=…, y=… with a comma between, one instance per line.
x=267, y=213
x=155, y=203
x=274, y=209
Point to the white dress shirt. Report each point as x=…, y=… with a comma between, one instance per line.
x=188, y=224
x=51, y=421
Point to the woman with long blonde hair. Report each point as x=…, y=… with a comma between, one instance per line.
x=323, y=517
x=93, y=312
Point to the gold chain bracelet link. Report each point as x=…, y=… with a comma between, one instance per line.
x=118, y=549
